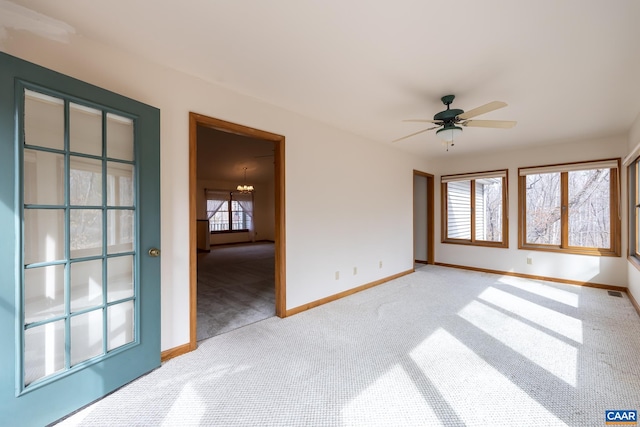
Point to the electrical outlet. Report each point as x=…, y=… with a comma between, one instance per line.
x=380, y=264
x=529, y=260
x=355, y=270
x=337, y=275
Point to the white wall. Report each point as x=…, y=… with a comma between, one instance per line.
x=348, y=200
x=265, y=198
x=604, y=270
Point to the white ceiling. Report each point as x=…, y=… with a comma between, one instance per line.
x=569, y=69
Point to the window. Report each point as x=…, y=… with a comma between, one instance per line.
x=229, y=211
x=570, y=208
x=634, y=209
x=474, y=209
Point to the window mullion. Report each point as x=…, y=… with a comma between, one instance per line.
x=636, y=178
x=614, y=207
x=230, y=211
x=473, y=210
x=634, y=182
x=505, y=211
x=564, y=210
x=522, y=209
x=444, y=223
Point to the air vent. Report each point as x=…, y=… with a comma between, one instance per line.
x=615, y=294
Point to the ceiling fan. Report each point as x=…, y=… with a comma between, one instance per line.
x=449, y=119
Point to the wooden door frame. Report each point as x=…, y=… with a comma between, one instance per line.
x=196, y=120
x=430, y=212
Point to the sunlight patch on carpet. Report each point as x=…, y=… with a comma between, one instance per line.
x=543, y=290
x=550, y=353
x=393, y=399
x=477, y=392
x=555, y=321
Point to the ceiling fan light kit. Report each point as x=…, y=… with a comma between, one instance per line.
x=448, y=120
x=449, y=132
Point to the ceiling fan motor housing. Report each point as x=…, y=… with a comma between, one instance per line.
x=448, y=115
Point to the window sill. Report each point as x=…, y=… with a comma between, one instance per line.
x=634, y=261
x=573, y=251
x=485, y=244
x=245, y=230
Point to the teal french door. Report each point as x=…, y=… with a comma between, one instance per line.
x=80, y=222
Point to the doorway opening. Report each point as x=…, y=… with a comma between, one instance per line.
x=249, y=243
x=423, y=198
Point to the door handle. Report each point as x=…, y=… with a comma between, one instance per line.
x=154, y=252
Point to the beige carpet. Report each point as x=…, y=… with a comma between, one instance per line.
x=438, y=347
x=236, y=287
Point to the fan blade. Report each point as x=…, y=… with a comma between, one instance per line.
x=414, y=134
x=499, y=124
x=438, y=122
x=495, y=105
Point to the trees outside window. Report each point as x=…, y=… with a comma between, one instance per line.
x=474, y=209
x=570, y=208
x=543, y=208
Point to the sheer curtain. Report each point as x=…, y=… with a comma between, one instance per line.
x=246, y=203
x=215, y=199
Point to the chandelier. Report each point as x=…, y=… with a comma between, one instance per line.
x=244, y=188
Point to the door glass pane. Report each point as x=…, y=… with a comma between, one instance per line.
x=119, y=184
x=86, y=284
x=79, y=210
x=85, y=130
x=119, y=137
x=543, y=208
x=43, y=351
x=85, y=181
x=590, y=208
x=43, y=293
x=85, y=232
x=43, y=120
x=119, y=231
x=86, y=336
x=43, y=235
x=120, y=278
x=459, y=210
x=120, y=324
x=43, y=178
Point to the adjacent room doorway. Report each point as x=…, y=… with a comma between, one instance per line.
x=246, y=251
x=423, y=197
